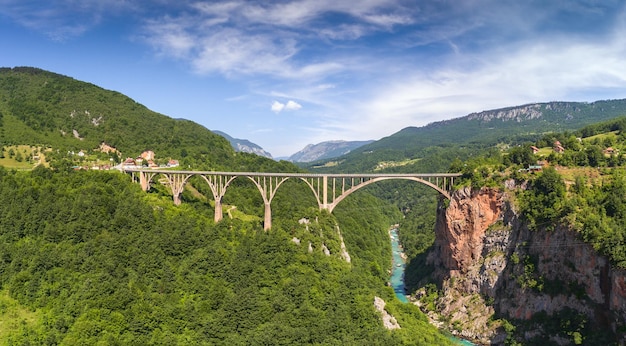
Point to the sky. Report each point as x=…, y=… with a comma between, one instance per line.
x=287, y=73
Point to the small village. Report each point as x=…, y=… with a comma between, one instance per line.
x=147, y=159
x=558, y=148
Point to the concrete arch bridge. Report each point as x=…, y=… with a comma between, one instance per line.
x=328, y=189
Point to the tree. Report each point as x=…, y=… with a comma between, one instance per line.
x=545, y=201
x=594, y=155
x=522, y=155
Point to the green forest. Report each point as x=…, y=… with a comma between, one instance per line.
x=88, y=258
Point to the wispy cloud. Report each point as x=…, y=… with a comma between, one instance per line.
x=63, y=19
x=553, y=68
x=256, y=38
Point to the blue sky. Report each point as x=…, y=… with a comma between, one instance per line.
x=288, y=73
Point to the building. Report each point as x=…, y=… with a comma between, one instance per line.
x=558, y=148
x=147, y=155
x=609, y=151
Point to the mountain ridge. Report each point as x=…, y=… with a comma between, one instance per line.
x=511, y=125
x=326, y=150
x=244, y=145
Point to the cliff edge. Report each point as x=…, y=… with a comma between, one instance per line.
x=503, y=283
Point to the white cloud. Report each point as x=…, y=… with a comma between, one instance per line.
x=240, y=38
x=277, y=107
x=291, y=105
x=553, y=69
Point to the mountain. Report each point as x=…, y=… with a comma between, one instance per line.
x=244, y=145
x=49, y=110
x=326, y=150
x=483, y=129
x=488, y=126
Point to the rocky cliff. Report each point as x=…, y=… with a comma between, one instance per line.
x=244, y=145
x=501, y=281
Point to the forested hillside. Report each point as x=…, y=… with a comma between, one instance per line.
x=87, y=257
x=44, y=109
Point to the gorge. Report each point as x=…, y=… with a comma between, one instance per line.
x=495, y=272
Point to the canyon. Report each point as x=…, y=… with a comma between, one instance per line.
x=500, y=282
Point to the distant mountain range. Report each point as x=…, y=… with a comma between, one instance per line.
x=489, y=126
x=244, y=145
x=310, y=153
x=326, y=150
x=526, y=121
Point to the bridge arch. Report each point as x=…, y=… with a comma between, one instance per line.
x=330, y=207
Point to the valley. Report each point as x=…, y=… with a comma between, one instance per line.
x=524, y=246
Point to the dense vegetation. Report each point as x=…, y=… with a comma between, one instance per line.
x=44, y=109
x=99, y=261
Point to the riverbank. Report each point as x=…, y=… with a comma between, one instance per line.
x=397, y=275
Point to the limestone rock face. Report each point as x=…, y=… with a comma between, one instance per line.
x=461, y=228
x=484, y=252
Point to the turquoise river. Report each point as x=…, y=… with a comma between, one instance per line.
x=397, y=276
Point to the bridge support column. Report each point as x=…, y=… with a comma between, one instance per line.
x=218, y=185
x=267, y=222
x=218, y=211
x=144, y=180
x=325, y=192
x=267, y=186
x=177, y=185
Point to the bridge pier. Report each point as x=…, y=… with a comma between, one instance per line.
x=218, y=214
x=267, y=187
x=267, y=220
x=176, y=182
x=218, y=184
x=144, y=180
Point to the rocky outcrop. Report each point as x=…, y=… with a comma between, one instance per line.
x=518, y=114
x=327, y=249
x=491, y=266
x=461, y=230
x=388, y=320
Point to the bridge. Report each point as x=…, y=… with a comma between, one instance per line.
x=328, y=189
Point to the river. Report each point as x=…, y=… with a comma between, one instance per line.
x=397, y=276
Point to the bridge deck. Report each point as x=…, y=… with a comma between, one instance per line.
x=298, y=175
